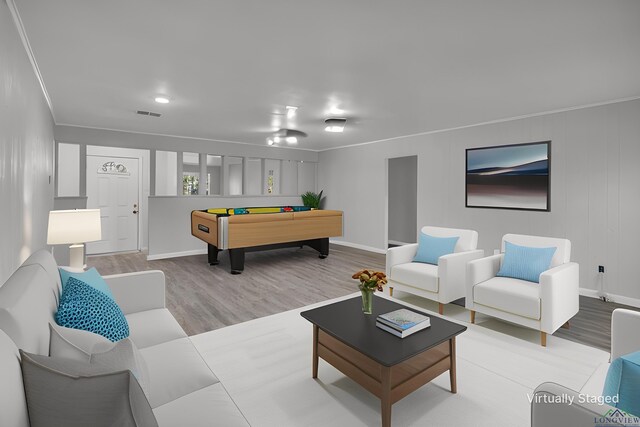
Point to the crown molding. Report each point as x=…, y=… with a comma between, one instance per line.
x=27, y=47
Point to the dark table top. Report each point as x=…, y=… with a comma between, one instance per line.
x=345, y=321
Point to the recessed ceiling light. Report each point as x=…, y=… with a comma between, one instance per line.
x=292, y=140
x=162, y=100
x=335, y=125
x=291, y=111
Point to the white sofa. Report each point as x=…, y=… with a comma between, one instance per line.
x=544, y=306
x=444, y=282
x=183, y=390
x=624, y=340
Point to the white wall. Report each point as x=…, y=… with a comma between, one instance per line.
x=78, y=135
x=307, y=173
x=170, y=220
x=253, y=176
x=26, y=153
x=166, y=170
x=595, y=187
x=233, y=175
x=68, y=170
x=403, y=177
x=289, y=177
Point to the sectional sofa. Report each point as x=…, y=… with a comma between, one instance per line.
x=182, y=389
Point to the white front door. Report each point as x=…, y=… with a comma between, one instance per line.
x=113, y=187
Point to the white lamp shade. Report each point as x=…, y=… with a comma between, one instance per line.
x=74, y=226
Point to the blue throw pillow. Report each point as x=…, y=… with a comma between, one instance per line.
x=83, y=307
x=91, y=277
x=431, y=248
x=525, y=263
x=623, y=382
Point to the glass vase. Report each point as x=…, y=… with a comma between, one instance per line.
x=367, y=301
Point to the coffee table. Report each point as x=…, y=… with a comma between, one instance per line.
x=385, y=365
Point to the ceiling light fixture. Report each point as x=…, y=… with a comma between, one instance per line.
x=162, y=100
x=291, y=111
x=290, y=136
x=335, y=125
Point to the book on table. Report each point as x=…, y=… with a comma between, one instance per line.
x=403, y=322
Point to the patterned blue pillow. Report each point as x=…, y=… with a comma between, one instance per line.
x=524, y=262
x=84, y=307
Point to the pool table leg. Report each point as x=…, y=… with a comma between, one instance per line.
x=320, y=245
x=212, y=252
x=236, y=256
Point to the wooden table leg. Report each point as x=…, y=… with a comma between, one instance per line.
x=452, y=370
x=314, y=369
x=385, y=399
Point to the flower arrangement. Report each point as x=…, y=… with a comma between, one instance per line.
x=370, y=280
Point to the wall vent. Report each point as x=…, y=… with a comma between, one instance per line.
x=148, y=113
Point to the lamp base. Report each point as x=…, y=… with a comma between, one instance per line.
x=76, y=256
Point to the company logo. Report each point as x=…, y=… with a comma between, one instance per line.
x=616, y=417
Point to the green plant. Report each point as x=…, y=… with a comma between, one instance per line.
x=311, y=199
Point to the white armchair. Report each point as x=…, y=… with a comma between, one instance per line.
x=444, y=282
x=544, y=306
x=624, y=340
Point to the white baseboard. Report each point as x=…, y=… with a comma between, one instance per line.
x=358, y=246
x=620, y=299
x=176, y=254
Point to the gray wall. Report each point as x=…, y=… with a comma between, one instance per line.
x=402, y=190
x=595, y=187
x=78, y=135
x=170, y=220
x=26, y=153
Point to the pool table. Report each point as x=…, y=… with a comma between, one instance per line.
x=251, y=229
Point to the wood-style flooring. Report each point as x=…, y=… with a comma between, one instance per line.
x=203, y=297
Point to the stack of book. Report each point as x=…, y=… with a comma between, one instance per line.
x=403, y=322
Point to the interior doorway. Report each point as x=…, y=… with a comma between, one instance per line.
x=402, y=190
x=113, y=186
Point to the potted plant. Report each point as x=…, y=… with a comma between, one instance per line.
x=311, y=199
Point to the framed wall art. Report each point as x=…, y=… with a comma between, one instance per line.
x=514, y=176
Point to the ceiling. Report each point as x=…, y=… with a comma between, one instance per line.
x=395, y=67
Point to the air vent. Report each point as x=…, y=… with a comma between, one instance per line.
x=148, y=113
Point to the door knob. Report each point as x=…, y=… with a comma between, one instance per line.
x=135, y=212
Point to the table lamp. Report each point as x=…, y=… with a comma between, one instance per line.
x=77, y=227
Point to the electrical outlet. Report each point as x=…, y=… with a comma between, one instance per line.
x=601, y=269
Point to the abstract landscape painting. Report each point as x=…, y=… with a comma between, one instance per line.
x=509, y=176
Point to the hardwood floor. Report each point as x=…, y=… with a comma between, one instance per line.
x=203, y=297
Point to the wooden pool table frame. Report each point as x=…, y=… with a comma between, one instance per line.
x=253, y=232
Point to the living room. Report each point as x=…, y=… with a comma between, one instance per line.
x=432, y=82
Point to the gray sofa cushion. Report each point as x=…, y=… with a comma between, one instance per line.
x=13, y=405
x=65, y=392
x=27, y=305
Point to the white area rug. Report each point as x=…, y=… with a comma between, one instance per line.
x=265, y=365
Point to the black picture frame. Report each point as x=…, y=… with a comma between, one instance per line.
x=508, y=183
